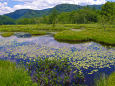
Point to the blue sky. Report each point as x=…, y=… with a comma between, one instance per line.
x=7, y=6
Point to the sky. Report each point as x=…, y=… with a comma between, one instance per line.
x=7, y=6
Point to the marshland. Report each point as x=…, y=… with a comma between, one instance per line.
x=61, y=48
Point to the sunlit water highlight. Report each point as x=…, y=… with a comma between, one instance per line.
x=89, y=58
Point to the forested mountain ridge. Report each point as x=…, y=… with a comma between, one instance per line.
x=6, y=20
x=29, y=13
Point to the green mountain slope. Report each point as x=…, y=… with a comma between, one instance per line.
x=6, y=20
x=28, y=13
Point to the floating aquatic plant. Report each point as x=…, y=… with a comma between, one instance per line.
x=83, y=58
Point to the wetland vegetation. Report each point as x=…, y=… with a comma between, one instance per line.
x=106, y=81
x=12, y=75
x=40, y=52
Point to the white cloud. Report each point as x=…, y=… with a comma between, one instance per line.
x=4, y=8
x=43, y=4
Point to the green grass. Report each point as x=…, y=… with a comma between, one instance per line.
x=110, y=81
x=29, y=28
x=80, y=26
x=40, y=29
x=7, y=34
x=37, y=32
x=89, y=34
x=10, y=75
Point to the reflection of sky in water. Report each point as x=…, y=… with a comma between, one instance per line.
x=84, y=56
x=46, y=45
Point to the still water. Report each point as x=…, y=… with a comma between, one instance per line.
x=91, y=59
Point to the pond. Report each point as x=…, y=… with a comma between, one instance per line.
x=89, y=58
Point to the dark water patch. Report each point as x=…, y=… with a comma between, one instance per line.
x=23, y=35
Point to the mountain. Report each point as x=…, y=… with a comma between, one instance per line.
x=29, y=13
x=6, y=20
x=67, y=7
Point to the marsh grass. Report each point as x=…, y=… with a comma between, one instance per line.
x=7, y=34
x=82, y=26
x=35, y=33
x=106, y=81
x=89, y=34
x=29, y=28
x=10, y=75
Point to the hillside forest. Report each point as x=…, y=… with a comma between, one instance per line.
x=63, y=14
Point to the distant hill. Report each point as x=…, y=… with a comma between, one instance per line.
x=6, y=20
x=29, y=13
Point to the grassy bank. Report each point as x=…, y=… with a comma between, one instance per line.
x=7, y=34
x=88, y=34
x=40, y=29
x=34, y=33
x=10, y=75
x=110, y=81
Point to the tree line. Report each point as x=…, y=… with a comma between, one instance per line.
x=86, y=15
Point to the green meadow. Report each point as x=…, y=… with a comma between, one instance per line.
x=88, y=33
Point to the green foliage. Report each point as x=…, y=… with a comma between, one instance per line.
x=53, y=17
x=10, y=75
x=107, y=11
x=25, y=21
x=107, y=14
x=86, y=15
x=50, y=71
x=63, y=18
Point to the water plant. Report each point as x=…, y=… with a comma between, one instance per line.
x=41, y=52
x=55, y=71
x=92, y=56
